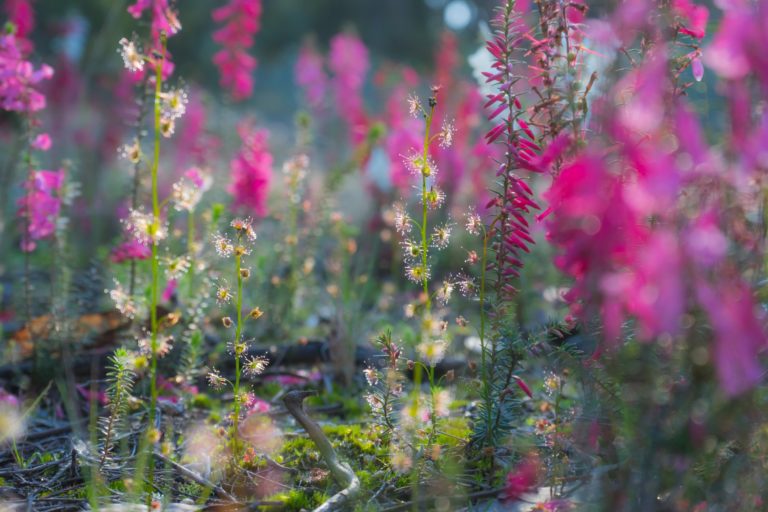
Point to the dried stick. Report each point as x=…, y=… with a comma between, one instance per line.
x=341, y=471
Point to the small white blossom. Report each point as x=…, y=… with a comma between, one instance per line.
x=132, y=57
x=432, y=351
x=446, y=134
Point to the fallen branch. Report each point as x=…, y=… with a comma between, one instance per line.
x=198, y=479
x=341, y=471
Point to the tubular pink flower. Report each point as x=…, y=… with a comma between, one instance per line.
x=311, y=77
x=40, y=206
x=130, y=250
x=251, y=171
x=19, y=78
x=241, y=22
x=348, y=61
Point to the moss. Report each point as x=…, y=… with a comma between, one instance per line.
x=202, y=401
x=297, y=499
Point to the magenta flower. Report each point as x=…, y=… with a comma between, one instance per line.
x=251, y=171
x=739, y=334
x=19, y=78
x=39, y=208
x=523, y=479
x=42, y=142
x=694, y=17
x=130, y=250
x=348, y=60
x=310, y=75
x=241, y=20
x=164, y=19
x=21, y=14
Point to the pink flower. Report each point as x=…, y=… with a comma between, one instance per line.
x=170, y=290
x=196, y=145
x=42, y=142
x=21, y=14
x=251, y=171
x=39, y=208
x=130, y=250
x=311, y=77
x=18, y=78
x=348, y=60
x=9, y=399
x=694, y=17
x=256, y=405
x=739, y=334
x=523, y=479
x=241, y=22
x=164, y=19
x=657, y=293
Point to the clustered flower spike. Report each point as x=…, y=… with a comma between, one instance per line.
x=511, y=233
x=164, y=22
x=241, y=22
x=39, y=208
x=311, y=77
x=348, y=60
x=19, y=79
x=251, y=172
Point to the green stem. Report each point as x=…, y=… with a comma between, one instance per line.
x=238, y=330
x=191, y=251
x=154, y=290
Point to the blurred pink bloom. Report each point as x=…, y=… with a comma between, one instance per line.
x=169, y=290
x=310, y=75
x=251, y=171
x=256, y=405
x=403, y=135
x=523, y=479
x=21, y=14
x=737, y=46
x=348, y=60
x=657, y=293
x=8, y=399
x=130, y=250
x=694, y=17
x=18, y=78
x=195, y=144
x=164, y=18
x=42, y=142
x=739, y=334
x=705, y=243
x=39, y=207
x=241, y=20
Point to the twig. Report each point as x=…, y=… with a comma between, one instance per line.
x=341, y=471
x=195, y=477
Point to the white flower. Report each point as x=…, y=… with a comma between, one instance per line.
x=474, y=223
x=123, y=301
x=433, y=351
x=441, y=236
x=414, y=106
x=144, y=228
x=174, y=103
x=177, y=267
x=446, y=134
x=223, y=245
x=186, y=195
x=132, y=58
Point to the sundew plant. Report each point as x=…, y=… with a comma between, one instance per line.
x=403, y=255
